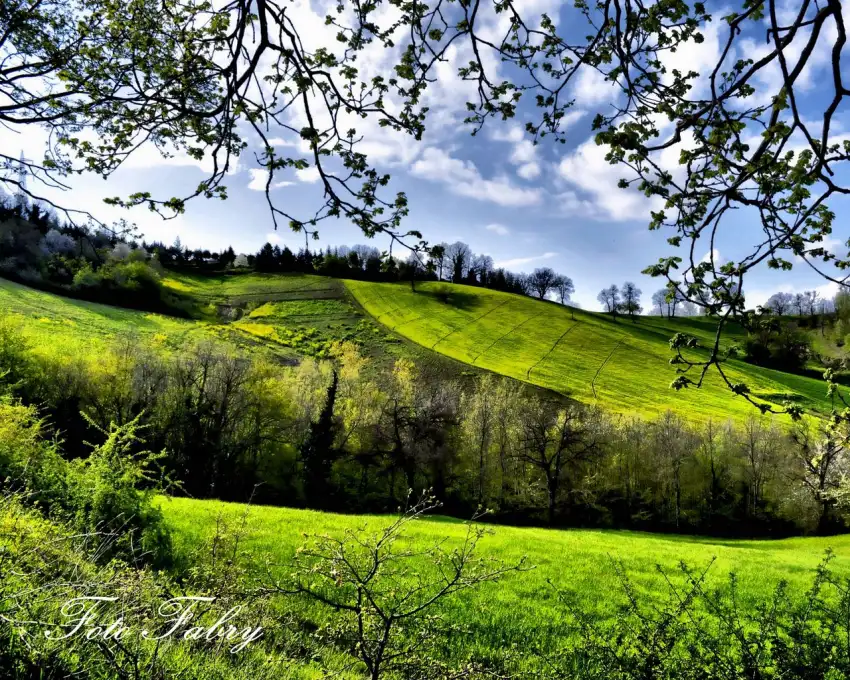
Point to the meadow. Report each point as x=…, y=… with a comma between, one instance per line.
x=524, y=608
x=620, y=364
x=278, y=317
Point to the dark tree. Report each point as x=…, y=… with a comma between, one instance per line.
x=564, y=288
x=543, y=281
x=265, y=259
x=631, y=300
x=438, y=258
x=459, y=258
x=557, y=442
x=610, y=299
x=318, y=454
x=780, y=303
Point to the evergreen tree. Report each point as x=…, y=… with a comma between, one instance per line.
x=318, y=454
x=265, y=260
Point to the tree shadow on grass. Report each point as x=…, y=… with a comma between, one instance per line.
x=452, y=298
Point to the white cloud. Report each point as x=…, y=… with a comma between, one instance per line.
x=529, y=170
x=463, y=178
x=697, y=57
x=309, y=175
x=499, y=229
x=274, y=237
x=587, y=169
x=290, y=143
x=259, y=177
x=592, y=88
x=713, y=255
x=519, y=261
x=525, y=155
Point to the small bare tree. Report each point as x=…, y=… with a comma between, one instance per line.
x=384, y=592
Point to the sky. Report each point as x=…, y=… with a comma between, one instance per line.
x=524, y=205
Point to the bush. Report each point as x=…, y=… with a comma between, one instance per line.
x=109, y=493
x=27, y=462
x=44, y=564
x=781, y=346
x=699, y=633
x=112, y=493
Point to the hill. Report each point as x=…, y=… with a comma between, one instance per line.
x=621, y=365
x=592, y=357
x=523, y=608
x=282, y=317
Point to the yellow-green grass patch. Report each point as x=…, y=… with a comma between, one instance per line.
x=621, y=364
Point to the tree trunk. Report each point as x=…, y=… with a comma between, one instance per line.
x=552, y=488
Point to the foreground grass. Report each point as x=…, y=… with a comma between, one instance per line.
x=524, y=608
x=621, y=365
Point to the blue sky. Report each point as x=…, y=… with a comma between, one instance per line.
x=524, y=205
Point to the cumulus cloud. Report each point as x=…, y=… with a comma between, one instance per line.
x=309, y=175
x=591, y=87
x=463, y=178
x=499, y=229
x=715, y=256
x=525, y=155
x=586, y=169
x=259, y=177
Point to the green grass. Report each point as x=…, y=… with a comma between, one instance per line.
x=236, y=289
x=523, y=608
x=621, y=365
x=281, y=317
x=74, y=325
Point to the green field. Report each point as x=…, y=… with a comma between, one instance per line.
x=621, y=365
x=279, y=317
x=523, y=608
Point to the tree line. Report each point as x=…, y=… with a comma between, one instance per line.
x=453, y=262
x=343, y=435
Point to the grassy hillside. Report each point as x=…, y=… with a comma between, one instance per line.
x=282, y=317
x=523, y=608
x=623, y=366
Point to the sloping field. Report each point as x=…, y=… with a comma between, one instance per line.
x=66, y=326
x=621, y=365
x=56, y=321
x=280, y=317
x=237, y=289
x=524, y=608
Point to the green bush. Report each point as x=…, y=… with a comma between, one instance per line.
x=702, y=633
x=28, y=462
x=45, y=563
x=111, y=492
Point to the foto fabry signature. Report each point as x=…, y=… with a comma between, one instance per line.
x=86, y=617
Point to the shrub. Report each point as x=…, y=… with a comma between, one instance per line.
x=28, y=462
x=109, y=493
x=112, y=493
x=781, y=346
x=700, y=633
